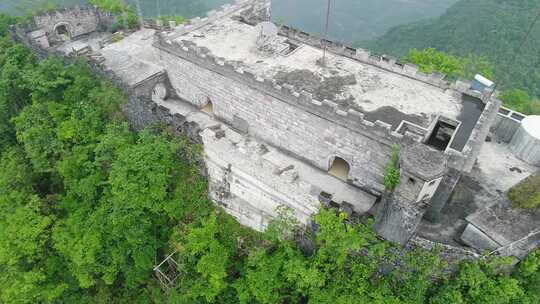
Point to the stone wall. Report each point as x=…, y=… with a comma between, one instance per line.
x=248, y=186
x=142, y=111
x=78, y=21
x=506, y=124
x=306, y=135
x=464, y=160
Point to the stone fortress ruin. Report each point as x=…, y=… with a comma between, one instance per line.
x=280, y=126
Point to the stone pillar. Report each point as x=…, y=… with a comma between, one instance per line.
x=397, y=220
x=421, y=172
x=441, y=197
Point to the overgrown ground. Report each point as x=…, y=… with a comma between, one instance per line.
x=526, y=194
x=88, y=207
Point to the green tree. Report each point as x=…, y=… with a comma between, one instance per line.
x=29, y=268
x=5, y=22
x=264, y=274
x=208, y=259
x=37, y=131
x=430, y=60
x=528, y=273
x=265, y=277
x=14, y=61
x=479, y=282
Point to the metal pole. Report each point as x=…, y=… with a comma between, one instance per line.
x=139, y=12
x=326, y=32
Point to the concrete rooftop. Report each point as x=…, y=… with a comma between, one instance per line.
x=134, y=59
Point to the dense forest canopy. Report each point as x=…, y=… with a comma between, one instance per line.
x=89, y=206
x=493, y=29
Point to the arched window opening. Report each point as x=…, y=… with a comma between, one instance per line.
x=340, y=168
x=208, y=108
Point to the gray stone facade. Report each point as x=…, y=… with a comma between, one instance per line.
x=269, y=118
x=71, y=23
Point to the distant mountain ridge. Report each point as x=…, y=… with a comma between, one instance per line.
x=492, y=28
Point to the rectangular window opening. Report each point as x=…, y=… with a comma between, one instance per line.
x=442, y=135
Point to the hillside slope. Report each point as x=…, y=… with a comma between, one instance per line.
x=493, y=28
x=354, y=20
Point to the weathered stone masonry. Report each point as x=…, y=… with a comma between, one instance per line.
x=70, y=23
x=306, y=135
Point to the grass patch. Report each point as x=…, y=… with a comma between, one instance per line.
x=166, y=19
x=526, y=194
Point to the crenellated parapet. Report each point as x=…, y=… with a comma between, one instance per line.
x=388, y=63
x=347, y=117
x=76, y=11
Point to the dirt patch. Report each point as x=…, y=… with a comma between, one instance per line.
x=394, y=117
x=331, y=88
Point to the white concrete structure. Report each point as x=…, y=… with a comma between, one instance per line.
x=526, y=142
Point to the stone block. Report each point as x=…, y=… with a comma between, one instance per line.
x=475, y=238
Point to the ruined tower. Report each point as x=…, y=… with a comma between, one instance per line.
x=421, y=171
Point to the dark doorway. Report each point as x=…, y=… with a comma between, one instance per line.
x=62, y=31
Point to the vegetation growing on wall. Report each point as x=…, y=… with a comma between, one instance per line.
x=391, y=172
x=88, y=207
